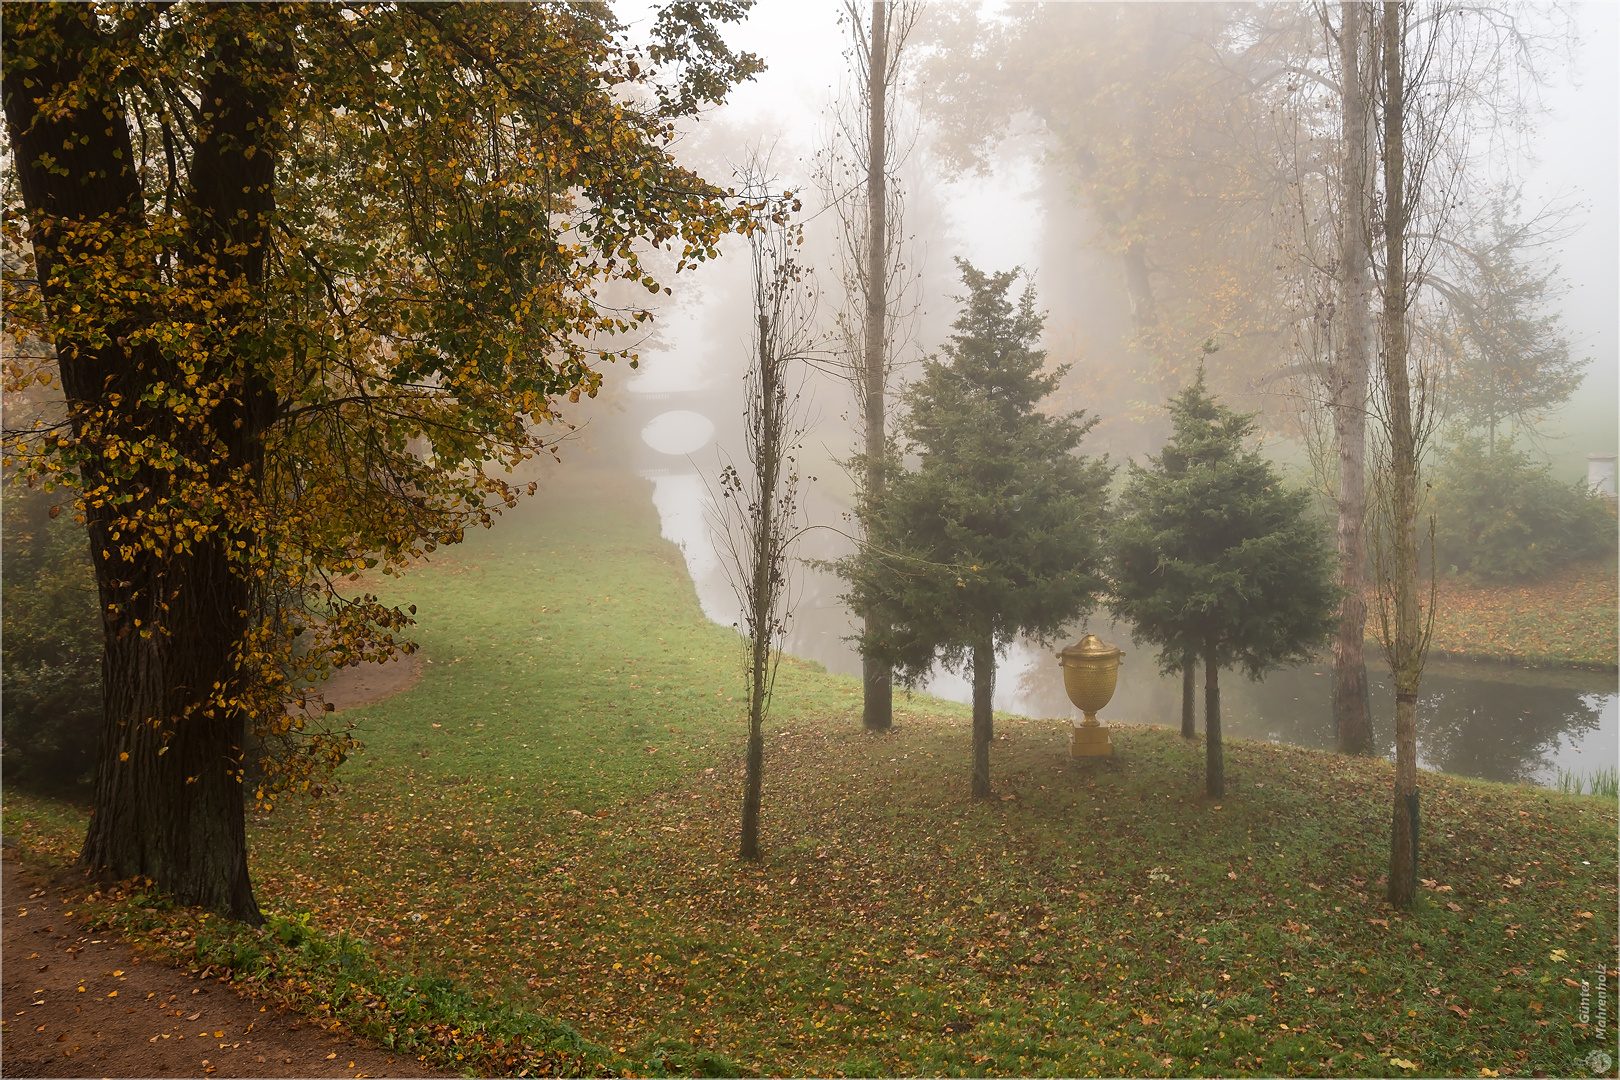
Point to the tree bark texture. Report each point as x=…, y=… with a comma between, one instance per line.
x=762, y=589
x=984, y=685
x=168, y=798
x=752, y=788
x=877, y=678
x=1406, y=658
x=1189, y=693
x=1214, y=762
x=1352, y=712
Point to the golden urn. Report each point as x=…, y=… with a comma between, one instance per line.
x=1090, y=673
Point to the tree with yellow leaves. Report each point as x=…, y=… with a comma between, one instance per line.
x=312, y=279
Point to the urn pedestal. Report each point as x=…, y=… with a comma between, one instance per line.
x=1090, y=673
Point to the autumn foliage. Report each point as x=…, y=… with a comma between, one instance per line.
x=313, y=280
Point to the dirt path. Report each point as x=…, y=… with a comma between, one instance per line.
x=370, y=683
x=77, y=1003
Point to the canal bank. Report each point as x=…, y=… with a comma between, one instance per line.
x=1505, y=720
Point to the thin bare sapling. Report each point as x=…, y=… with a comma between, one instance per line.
x=759, y=517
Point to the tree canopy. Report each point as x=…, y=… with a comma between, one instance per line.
x=1161, y=121
x=995, y=533
x=313, y=280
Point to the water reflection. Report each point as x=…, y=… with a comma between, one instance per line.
x=1490, y=721
x=1502, y=731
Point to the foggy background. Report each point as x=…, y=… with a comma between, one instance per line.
x=1021, y=210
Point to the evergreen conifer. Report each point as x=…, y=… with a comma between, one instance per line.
x=1212, y=555
x=996, y=533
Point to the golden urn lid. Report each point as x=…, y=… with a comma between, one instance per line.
x=1090, y=647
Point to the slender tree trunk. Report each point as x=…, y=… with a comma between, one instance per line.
x=1189, y=692
x=1352, y=712
x=877, y=678
x=984, y=685
x=762, y=589
x=1214, y=762
x=754, y=782
x=1406, y=648
x=168, y=800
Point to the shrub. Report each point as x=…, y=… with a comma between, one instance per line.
x=1499, y=517
x=50, y=657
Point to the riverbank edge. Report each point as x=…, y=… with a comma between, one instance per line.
x=1535, y=662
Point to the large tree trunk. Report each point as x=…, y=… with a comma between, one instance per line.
x=1189, y=683
x=168, y=801
x=168, y=796
x=984, y=686
x=1214, y=761
x=1406, y=658
x=877, y=678
x=1352, y=712
x=1133, y=259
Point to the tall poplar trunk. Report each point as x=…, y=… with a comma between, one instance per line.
x=168, y=800
x=984, y=686
x=1352, y=712
x=1406, y=658
x=1214, y=761
x=877, y=677
x=1189, y=683
x=762, y=588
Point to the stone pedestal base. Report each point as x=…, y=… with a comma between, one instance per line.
x=1089, y=740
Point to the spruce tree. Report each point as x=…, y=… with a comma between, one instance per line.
x=1211, y=555
x=996, y=533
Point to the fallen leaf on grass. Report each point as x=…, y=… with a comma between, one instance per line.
x=1454, y=907
x=1459, y=1010
x=1380, y=922
x=1403, y=1063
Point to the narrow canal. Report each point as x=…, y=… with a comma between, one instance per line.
x=1493, y=721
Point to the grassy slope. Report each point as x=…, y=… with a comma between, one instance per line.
x=549, y=817
x=1569, y=618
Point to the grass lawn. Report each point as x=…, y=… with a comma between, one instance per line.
x=545, y=826
x=1566, y=619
